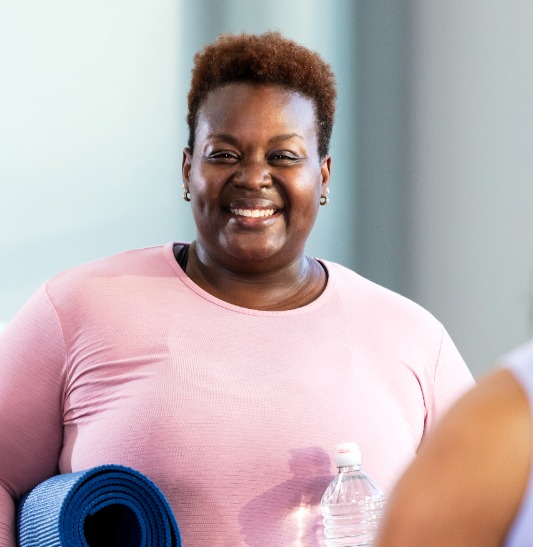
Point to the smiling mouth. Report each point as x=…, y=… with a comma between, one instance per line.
x=253, y=213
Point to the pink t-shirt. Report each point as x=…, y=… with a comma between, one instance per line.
x=234, y=413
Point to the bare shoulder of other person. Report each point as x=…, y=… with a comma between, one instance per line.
x=467, y=481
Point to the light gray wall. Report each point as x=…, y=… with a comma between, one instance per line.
x=432, y=168
x=381, y=97
x=444, y=98
x=471, y=170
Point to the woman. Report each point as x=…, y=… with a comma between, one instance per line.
x=472, y=482
x=227, y=370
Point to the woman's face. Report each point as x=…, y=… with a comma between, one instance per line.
x=255, y=177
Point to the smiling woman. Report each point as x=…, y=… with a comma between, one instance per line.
x=227, y=368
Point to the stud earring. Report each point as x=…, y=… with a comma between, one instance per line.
x=324, y=199
x=186, y=193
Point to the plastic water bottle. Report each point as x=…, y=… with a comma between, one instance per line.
x=352, y=503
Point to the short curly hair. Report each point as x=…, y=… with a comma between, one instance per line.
x=267, y=58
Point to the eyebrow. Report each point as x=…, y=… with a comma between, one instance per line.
x=232, y=140
x=286, y=137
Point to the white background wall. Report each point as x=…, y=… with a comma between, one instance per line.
x=88, y=137
x=432, y=169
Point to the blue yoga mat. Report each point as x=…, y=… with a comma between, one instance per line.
x=106, y=506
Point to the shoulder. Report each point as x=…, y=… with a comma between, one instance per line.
x=485, y=440
x=131, y=262
x=107, y=278
x=388, y=309
x=356, y=286
x=481, y=447
x=489, y=417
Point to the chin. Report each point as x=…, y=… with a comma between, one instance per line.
x=254, y=257
x=252, y=248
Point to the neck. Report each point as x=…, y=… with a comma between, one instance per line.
x=292, y=286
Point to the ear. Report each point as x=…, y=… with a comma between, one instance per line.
x=186, y=163
x=325, y=170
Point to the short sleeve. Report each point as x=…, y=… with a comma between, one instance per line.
x=452, y=380
x=32, y=367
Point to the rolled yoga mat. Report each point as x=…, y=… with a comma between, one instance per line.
x=106, y=506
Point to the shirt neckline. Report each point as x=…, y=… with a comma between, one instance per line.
x=169, y=255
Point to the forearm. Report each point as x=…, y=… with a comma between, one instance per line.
x=7, y=519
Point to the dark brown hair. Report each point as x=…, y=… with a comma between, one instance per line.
x=270, y=59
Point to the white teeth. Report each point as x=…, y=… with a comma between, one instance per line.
x=253, y=213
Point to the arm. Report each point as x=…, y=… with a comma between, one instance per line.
x=467, y=481
x=32, y=363
x=7, y=519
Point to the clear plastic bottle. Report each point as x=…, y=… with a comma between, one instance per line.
x=352, y=503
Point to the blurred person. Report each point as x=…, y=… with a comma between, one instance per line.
x=471, y=483
x=226, y=369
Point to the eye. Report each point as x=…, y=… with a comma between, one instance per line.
x=284, y=158
x=223, y=156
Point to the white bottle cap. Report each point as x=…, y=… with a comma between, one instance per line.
x=347, y=454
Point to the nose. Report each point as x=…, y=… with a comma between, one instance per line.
x=253, y=173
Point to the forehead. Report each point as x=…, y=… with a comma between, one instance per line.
x=258, y=108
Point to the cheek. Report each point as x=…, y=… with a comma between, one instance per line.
x=203, y=193
x=310, y=192
x=306, y=206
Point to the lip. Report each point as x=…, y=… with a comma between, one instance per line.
x=253, y=203
x=252, y=212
